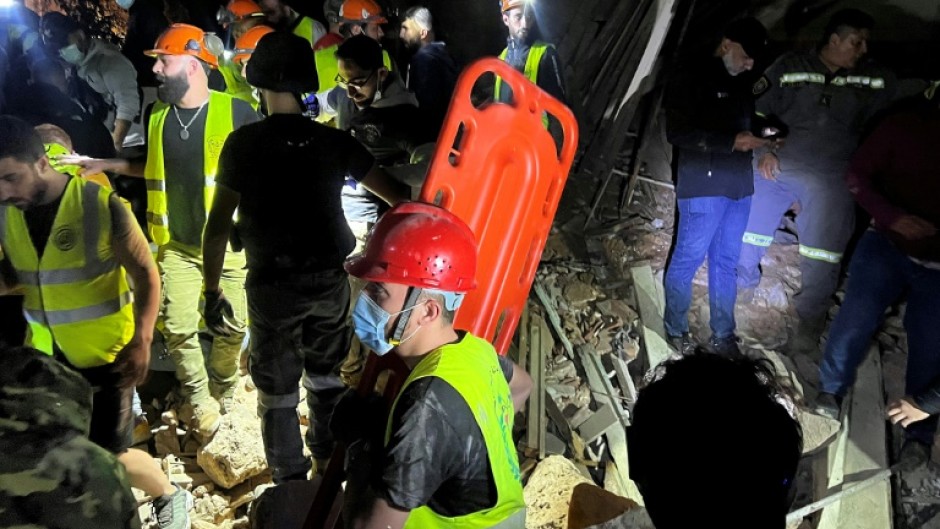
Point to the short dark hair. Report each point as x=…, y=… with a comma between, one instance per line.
x=447, y=315
x=845, y=20
x=721, y=422
x=19, y=140
x=362, y=50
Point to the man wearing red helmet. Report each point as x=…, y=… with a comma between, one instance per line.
x=185, y=133
x=448, y=457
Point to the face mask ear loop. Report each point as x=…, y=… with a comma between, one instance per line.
x=410, y=301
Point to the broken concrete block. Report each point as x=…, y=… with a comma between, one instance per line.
x=211, y=511
x=579, y=293
x=559, y=391
x=818, y=431
x=548, y=493
x=236, y=452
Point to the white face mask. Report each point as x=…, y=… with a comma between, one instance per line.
x=71, y=54
x=125, y=4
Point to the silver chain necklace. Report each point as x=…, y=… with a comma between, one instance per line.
x=184, y=133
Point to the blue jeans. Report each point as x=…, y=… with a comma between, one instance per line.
x=711, y=226
x=879, y=274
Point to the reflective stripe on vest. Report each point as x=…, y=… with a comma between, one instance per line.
x=471, y=367
x=861, y=81
x=218, y=126
x=531, y=70
x=757, y=239
x=76, y=295
x=818, y=254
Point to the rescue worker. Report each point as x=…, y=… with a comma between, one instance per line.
x=239, y=16
x=381, y=113
x=356, y=17
x=282, y=16
x=448, y=458
x=334, y=36
x=536, y=59
x=101, y=65
x=893, y=177
x=825, y=97
x=298, y=293
x=244, y=47
x=432, y=72
x=52, y=474
x=708, y=120
x=71, y=245
x=185, y=133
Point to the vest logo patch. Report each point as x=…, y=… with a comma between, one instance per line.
x=761, y=86
x=215, y=144
x=64, y=238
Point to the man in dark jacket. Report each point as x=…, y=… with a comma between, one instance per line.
x=708, y=113
x=432, y=72
x=373, y=104
x=893, y=177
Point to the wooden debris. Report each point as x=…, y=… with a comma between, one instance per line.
x=539, y=349
x=651, y=306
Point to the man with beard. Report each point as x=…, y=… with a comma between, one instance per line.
x=537, y=60
x=282, y=16
x=186, y=131
x=381, y=113
x=68, y=245
x=709, y=111
x=825, y=97
x=432, y=72
x=295, y=243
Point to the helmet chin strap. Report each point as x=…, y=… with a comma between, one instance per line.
x=410, y=300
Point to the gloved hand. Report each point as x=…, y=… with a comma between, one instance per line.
x=217, y=309
x=356, y=417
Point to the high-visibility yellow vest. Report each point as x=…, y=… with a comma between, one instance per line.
x=307, y=29
x=531, y=69
x=219, y=124
x=76, y=295
x=236, y=85
x=472, y=368
x=54, y=150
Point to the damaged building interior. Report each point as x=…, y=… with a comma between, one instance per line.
x=609, y=195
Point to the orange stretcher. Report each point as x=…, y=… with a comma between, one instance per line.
x=499, y=169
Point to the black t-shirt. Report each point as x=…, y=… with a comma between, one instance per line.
x=436, y=455
x=184, y=167
x=39, y=221
x=289, y=171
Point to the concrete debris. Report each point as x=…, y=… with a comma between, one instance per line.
x=548, y=493
x=236, y=452
x=578, y=293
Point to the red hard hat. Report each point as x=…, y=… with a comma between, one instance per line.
x=361, y=12
x=246, y=44
x=419, y=245
x=184, y=39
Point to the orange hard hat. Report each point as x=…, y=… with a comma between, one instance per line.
x=236, y=11
x=361, y=12
x=506, y=5
x=419, y=245
x=184, y=39
x=246, y=44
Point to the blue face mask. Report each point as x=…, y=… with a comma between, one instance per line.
x=71, y=54
x=370, y=320
x=126, y=4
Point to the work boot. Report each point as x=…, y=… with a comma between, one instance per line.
x=914, y=454
x=828, y=405
x=684, y=345
x=727, y=346
x=172, y=511
x=204, y=420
